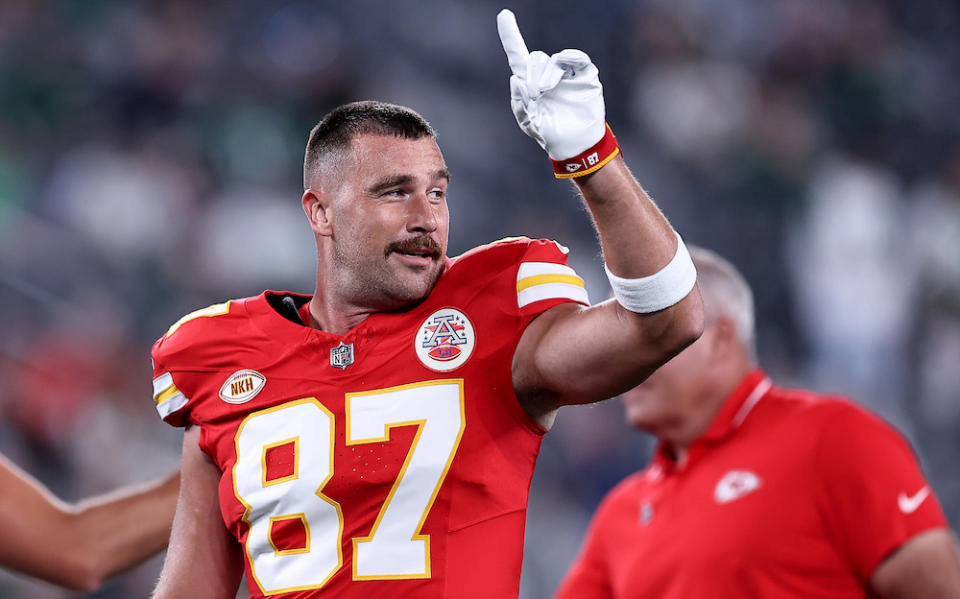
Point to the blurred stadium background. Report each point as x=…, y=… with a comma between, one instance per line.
x=150, y=156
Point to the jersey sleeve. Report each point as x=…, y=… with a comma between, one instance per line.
x=589, y=577
x=171, y=402
x=177, y=351
x=545, y=280
x=874, y=495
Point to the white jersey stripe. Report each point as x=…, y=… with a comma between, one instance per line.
x=552, y=291
x=533, y=269
x=162, y=383
x=162, y=386
x=171, y=405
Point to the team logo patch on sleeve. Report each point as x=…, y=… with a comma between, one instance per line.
x=445, y=340
x=242, y=386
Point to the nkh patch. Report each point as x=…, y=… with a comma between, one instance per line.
x=445, y=340
x=242, y=386
x=341, y=356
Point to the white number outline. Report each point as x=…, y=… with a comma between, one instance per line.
x=421, y=424
x=319, y=493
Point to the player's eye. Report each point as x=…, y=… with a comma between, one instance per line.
x=437, y=194
x=395, y=193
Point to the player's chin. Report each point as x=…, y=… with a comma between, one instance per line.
x=637, y=405
x=415, y=285
x=640, y=418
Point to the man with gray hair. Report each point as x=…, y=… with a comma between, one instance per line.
x=759, y=491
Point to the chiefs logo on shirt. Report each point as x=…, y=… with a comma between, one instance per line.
x=735, y=484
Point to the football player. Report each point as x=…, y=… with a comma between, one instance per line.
x=377, y=438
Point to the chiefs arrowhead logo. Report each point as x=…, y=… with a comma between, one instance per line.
x=735, y=484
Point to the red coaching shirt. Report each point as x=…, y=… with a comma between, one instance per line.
x=393, y=461
x=788, y=494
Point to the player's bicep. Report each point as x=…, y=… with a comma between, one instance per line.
x=926, y=566
x=573, y=355
x=202, y=553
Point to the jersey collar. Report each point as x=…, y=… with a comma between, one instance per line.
x=736, y=407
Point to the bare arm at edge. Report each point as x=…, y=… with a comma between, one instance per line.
x=79, y=546
x=925, y=567
x=202, y=553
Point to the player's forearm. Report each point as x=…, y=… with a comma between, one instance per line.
x=207, y=565
x=115, y=532
x=638, y=241
x=183, y=575
x=636, y=238
x=73, y=546
x=202, y=553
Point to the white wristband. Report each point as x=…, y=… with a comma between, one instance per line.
x=660, y=290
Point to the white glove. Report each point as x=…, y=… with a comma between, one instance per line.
x=557, y=100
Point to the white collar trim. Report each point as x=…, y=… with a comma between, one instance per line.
x=758, y=392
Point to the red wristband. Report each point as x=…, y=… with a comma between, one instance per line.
x=589, y=160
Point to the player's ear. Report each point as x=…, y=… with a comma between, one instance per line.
x=725, y=336
x=317, y=206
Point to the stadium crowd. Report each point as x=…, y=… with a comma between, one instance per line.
x=149, y=165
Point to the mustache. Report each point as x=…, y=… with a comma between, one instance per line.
x=420, y=242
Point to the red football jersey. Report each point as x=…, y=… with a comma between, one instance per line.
x=787, y=495
x=392, y=461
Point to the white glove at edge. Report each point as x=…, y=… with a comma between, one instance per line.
x=557, y=100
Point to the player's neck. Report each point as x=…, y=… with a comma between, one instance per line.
x=676, y=452
x=699, y=420
x=334, y=317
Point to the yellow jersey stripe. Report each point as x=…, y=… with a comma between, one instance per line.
x=214, y=310
x=176, y=402
x=166, y=394
x=528, y=282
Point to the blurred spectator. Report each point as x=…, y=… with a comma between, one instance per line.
x=854, y=283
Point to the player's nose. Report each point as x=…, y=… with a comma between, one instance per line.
x=422, y=214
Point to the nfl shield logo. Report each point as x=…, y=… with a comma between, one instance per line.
x=646, y=513
x=341, y=356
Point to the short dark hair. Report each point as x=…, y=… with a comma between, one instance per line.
x=338, y=128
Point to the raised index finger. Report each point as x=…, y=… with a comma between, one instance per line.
x=512, y=42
